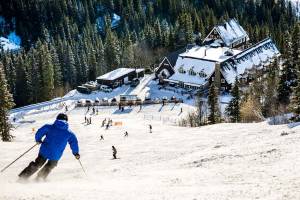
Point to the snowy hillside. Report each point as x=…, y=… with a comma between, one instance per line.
x=6, y=44
x=225, y=161
x=12, y=42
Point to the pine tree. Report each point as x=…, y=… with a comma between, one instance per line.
x=70, y=67
x=296, y=100
x=270, y=103
x=6, y=103
x=213, y=104
x=22, y=83
x=233, y=108
x=288, y=77
x=112, y=50
x=128, y=54
x=46, y=71
x=296, y=46
x=189, y=29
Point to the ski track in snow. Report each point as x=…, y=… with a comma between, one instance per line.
x=224, y=161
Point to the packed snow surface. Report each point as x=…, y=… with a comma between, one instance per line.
x=224, y=161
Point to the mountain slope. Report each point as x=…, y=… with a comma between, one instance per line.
x=225, y=161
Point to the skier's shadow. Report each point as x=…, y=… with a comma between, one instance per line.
x=160, y=109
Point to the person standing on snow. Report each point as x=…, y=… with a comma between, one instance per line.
x=56, y=136
x=126, y=134
x=114, y=152
x=150, y=127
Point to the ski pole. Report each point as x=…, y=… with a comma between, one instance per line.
x=82, y=167
x=19, y=157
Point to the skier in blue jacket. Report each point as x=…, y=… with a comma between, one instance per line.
x=56, y=136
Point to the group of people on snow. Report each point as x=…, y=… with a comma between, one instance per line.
x=53, y=139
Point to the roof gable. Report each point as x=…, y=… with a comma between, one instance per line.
x=230, y=32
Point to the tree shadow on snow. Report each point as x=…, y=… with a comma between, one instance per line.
x=126, y=111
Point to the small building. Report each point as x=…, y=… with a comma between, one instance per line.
x=120, y=76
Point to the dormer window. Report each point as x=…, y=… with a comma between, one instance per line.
x=192, y=72
x=181, y=70
x=202, y=74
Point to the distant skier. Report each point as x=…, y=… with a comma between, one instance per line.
x=56, y=136
x=101, y=137
x=126, y=134
x=114, y=152
x=97, y=111
x=66, y=109
x=90, y=120
x=107, y=126
x=94, y=111
x=103, y=123
x=150, y=128
x=181, y=110
x=85, y=119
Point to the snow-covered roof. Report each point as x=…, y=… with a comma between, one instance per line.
x=209, y=53
x=117, y=73
x=200, y=67
x=255, y=56
x=139, y=70
x=231, y=32
x=258, y=55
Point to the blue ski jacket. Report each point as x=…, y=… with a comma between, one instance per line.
x=57, y=135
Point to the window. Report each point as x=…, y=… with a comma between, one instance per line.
x=192, y=72
x=181, y=70
x=202, y=74
x=222, y=80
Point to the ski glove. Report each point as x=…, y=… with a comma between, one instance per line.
x=77, y=156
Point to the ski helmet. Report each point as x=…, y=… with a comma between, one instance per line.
x=62, y=116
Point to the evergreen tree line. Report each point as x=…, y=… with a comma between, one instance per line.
x=63, y=47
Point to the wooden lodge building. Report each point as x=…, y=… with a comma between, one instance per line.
x=225, y=55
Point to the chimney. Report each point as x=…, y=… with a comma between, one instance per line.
x=205, y=52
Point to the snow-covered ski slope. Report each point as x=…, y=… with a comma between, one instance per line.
x=224, y=161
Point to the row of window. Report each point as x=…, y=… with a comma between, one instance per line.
x=191, y=72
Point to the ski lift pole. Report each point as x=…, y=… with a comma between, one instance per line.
x=82, y=167
x=19, y=157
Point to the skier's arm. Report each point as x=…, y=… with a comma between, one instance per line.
x=73, y=142
x=41, y=133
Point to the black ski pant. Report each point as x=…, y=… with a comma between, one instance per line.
x=36, y=165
